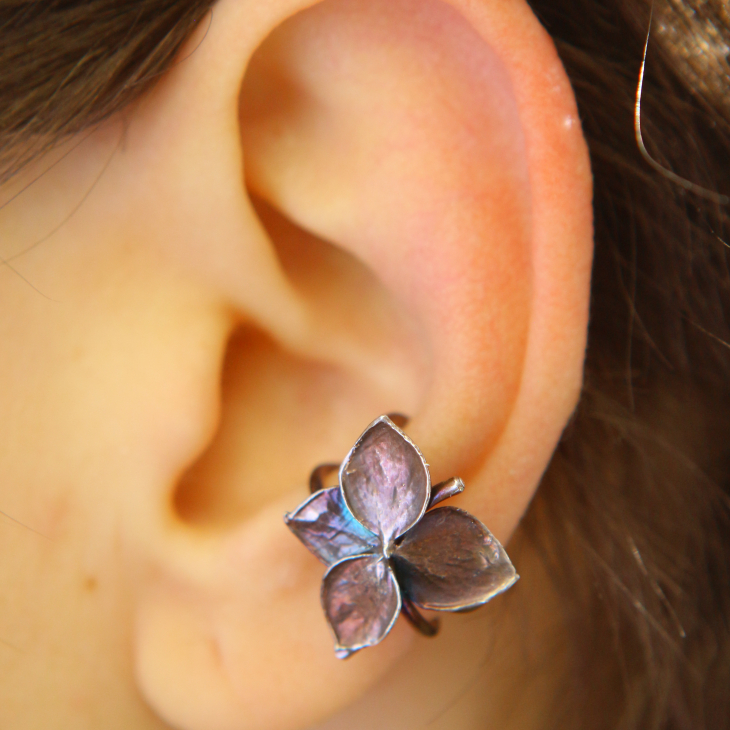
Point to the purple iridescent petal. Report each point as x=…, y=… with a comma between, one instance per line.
x=325, y=525
x=385, y=480
x=361, y=600
x=450, y=561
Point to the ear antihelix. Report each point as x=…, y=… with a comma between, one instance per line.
x=358, y=322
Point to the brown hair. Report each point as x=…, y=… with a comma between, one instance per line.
x=633, y=515
x=66, y=65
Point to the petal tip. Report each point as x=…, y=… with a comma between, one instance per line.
x=385, y=480
x=361, y=599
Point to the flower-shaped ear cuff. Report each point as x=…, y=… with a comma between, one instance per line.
x=386, y=550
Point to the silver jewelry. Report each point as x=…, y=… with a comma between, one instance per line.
x=386, y=549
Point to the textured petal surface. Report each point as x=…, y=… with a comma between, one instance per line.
x=385, y=480
x=326, y=526
x=361, y=600
x=450, y=561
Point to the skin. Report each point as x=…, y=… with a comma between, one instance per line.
x=314, y=218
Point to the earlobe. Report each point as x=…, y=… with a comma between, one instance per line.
x=419, y=178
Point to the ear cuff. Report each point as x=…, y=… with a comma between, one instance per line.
x=386, y=549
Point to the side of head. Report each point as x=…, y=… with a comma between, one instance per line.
x=318, y=214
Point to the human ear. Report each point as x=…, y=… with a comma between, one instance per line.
x=419, y=240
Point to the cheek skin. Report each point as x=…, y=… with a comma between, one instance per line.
x=107, y=376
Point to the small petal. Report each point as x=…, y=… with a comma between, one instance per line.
x=361, y=600
x=325, y=525
x=450, y=561
x=385, y=480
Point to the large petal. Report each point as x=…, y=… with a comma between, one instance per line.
x=385, y=480
x=450, y=561
x=361, y=600
x=325, y=525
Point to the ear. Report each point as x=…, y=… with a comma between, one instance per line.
x=419, y=241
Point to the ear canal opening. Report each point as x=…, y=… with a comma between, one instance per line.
x=281, y=412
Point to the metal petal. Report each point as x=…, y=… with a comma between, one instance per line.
x=361, y=600
x=326, y=526
x=451, y=562
x=385, y=480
